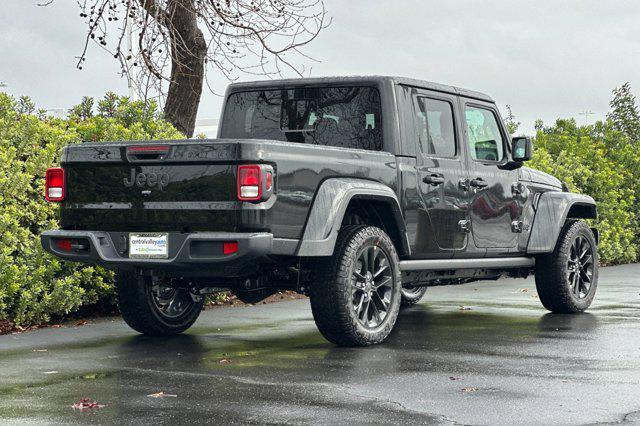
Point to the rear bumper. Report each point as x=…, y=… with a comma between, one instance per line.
x=197, y=251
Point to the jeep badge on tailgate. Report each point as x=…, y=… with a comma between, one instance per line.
x=141, y=179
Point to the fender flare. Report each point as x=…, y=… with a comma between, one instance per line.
x=329, y=207
x=552, y=211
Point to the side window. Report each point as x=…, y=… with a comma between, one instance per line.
x=434, y=122
x=483, y=132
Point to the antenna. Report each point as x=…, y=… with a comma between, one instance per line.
x=586, y=114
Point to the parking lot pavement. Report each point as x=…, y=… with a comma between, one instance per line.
x=480, y=353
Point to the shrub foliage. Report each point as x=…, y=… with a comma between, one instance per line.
x=585, y=159
x=35, y=286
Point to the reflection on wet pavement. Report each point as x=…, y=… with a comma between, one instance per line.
x=502, y=361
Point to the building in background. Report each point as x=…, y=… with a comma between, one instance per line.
x=207, y=127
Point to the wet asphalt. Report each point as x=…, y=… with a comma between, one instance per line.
x=480, y=353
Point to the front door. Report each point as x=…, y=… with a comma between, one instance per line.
x=495, y=209
x=441, y=167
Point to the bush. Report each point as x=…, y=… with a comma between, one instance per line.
x=35, y=286
x=585, y=159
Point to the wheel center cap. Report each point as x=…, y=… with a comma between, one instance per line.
x=368, y=282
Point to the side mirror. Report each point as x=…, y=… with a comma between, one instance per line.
x=521, y=148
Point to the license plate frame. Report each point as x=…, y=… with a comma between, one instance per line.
x=148, y=245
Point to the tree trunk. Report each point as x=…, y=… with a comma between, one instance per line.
x=187, y=66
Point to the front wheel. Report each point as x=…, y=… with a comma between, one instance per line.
x=356, y=294
x=150, y=306
x=567, y=279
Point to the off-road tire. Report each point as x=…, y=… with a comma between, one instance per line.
x=331, y=292
x=134, y=297
x=411, y=296
x=551, y=272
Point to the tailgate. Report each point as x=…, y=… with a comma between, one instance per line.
x=169, y=186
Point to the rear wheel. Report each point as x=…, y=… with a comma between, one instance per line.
x=150, y=306
x=567, y=278
x=356, y=294
x=412, y=295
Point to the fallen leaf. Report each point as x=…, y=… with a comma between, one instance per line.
x=469, y=390
x=524, y=290
x=82, y=322
x=161, y=394
x=85, y=404
x=225, y=361
x=39, y=350
x=464, y=308
x=56, y=326
x=454, y=378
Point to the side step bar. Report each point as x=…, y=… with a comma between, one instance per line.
x=484, y=263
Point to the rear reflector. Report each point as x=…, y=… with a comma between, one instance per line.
x=54, y=184
x=64, y=244
x=229, y=247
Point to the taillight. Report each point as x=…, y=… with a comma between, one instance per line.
x=54, y=184
x=269, y=180
x=255, y=182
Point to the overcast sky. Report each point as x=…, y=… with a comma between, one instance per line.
x=546, y=58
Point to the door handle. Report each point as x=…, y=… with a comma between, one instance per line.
x=478, y=183
x=434, y=179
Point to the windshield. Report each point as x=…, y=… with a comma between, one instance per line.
x=336, y=116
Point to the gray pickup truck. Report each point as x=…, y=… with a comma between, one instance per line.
x=360, y=192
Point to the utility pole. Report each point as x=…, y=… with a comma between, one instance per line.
x=586, y=114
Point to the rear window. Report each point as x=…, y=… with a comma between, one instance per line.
x=335, y=116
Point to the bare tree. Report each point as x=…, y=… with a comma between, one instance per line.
x=177, y=41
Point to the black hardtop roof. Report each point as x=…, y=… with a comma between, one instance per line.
x=366, y=79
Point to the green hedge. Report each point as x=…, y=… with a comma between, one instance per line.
x=583, y=159
x=601, y=160
x=35, y=286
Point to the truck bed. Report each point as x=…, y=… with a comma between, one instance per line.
x=190, y=185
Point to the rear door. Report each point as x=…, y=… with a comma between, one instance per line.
x=441, y=172
x=495, y=210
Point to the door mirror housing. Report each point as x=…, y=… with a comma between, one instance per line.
x=521, y=148
x=521, y=151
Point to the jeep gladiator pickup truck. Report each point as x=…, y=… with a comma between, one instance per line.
x=359, y=192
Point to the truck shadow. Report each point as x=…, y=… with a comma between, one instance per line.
x=421, y=336
x=215, y=373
